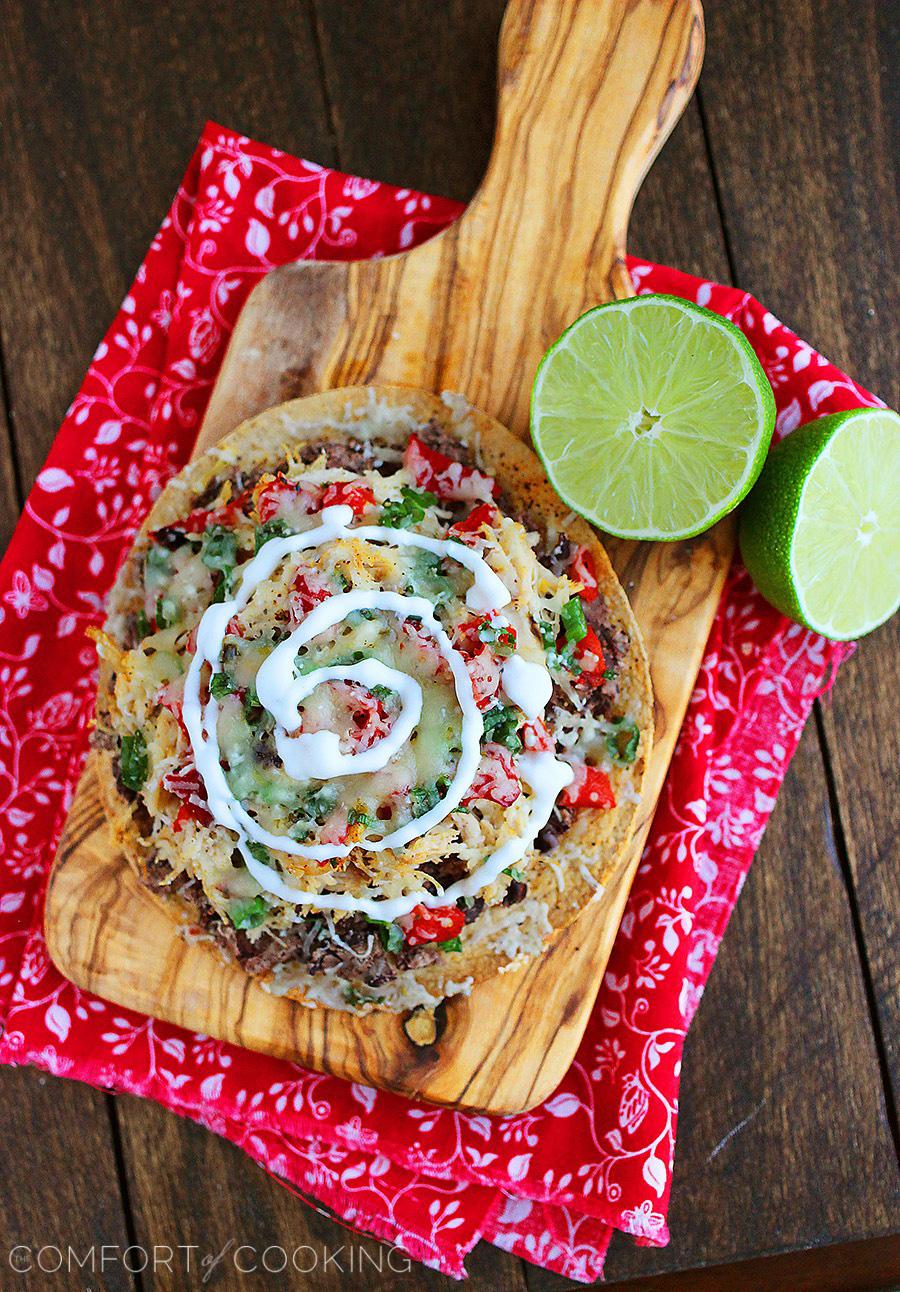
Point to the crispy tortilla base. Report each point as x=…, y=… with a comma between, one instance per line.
x=593, y=849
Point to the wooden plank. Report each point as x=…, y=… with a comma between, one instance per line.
x=869, y=1266
x=818, y=159
x=60, y=1184
x=412, y=89
x=783, y=1141
x=189, y=1187
x=102, y=106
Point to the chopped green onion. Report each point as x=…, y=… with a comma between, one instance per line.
x=222, y=684
x=573, y=620
x=276, y=528
x=354, y=997
x=452, y=944
x=133, y=762
x=156, y=561
x=142, y=624
x=563, y=660
x=623, y=740
x=167, y=612
x=317, y=805
x=218, y=548
x=250, y=914
x=501, y=636
x=548, y=633
x=383, y=692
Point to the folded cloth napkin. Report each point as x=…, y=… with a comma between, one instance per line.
x=551, y=1184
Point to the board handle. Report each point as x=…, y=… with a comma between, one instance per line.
x=588, y=92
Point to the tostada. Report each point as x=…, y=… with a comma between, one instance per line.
x=374, y=713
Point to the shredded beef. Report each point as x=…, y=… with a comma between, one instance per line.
x=515, y=892
x=550, y=834
x=102, y=739
x=352, y=455
x=367, y=959
x=557, y=559
x=434, y=435
x=474, y=909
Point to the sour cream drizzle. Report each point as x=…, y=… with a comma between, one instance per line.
x=318, y=754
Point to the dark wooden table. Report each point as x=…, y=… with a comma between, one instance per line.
x=779, y=179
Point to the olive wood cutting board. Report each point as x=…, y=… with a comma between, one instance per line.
x=588, y=92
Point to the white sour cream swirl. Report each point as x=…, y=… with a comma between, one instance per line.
x=318, y=754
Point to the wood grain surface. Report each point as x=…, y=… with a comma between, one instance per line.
x=96, y=135
x=587, y=94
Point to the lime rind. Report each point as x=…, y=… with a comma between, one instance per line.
x=827, y=486
x=596, y=398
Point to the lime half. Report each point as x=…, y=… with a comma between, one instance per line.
x=820, y=533
x=652, y=417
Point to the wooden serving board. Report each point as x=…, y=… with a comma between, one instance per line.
x=588, y=91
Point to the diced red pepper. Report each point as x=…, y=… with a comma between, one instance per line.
x=186, y=785
x=439, y=924
x=589, y=653
x=582, y=570
x=590, y=789
x=485, y=674
x=301, y=497
x=496, y=780
x=369, y=721
x=335, y=827
x=308, y=592
x=440, y=475
x=355, y=496
x=469, y=529
x=227, y=516
x=535, y=736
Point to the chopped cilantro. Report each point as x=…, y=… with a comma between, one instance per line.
x=500, y=725
x=142, y=624
x=133, y=760
x=408, y=509
x=218, y=548
x=391, y=934
x=249, y=914
x=514, y=873
x=258, y=852
x=383, y=692
x=355, y=817
x=222, y=684
x=276, y=528
x=452, y=944
x=622, y=741
x=424, y=798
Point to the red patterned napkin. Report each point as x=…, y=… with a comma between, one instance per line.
x=549, y=1185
